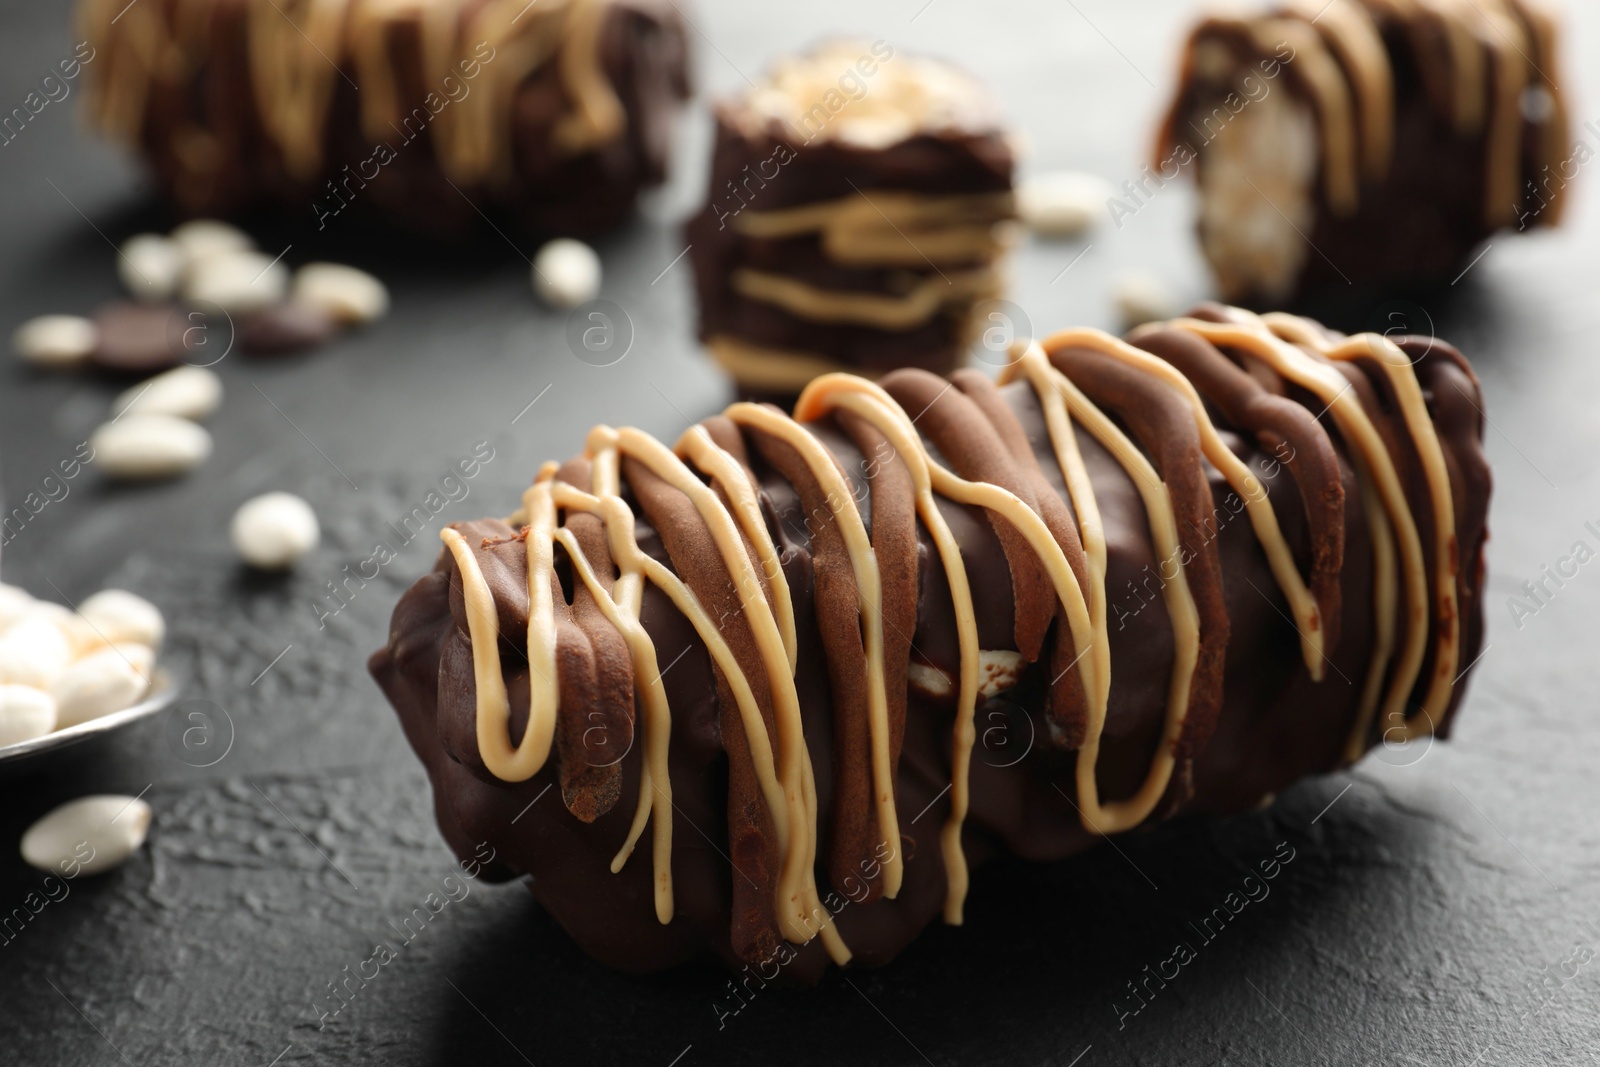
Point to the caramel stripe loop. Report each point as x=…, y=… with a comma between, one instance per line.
x=507, y=762
x=1303, y=606
x=1374, y=466
x=792, y=797
x=864, y=563
x=1248, y=406
x=1062, y=401
x=797, y=906
x=875, y=406
x=1425, y=438
x=885, y=228
x=884, y=311
x=1353, y=38
x=697, y=446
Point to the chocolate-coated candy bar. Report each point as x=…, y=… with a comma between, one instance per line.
x=1369, y=143
x=1193, y=566
x=419, y=114
x=854, y=219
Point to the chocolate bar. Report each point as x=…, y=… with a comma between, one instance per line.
x=419, y=114
x=760, y=673
x=1369, y=143
x=854, y=218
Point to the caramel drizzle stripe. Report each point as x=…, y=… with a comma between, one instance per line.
x=1116, y=816
x=1385, y=601
x=869, y=591
x=1327, y=83
x=871, y=403
x=1253, y=338
x=291, y=56
x=1053, y=390
x=469, y=129
x=1504, y=42
x=796, y=894
x=1465, y=60
x=1552, y=150
x=622, y=606
x=1353, y=38
x=117, y=100
x=627, y=593
x=291, y=80
x=791, y=804
x=597, y=115
x=1280, y=557
x=870, y=230
x=1403, y=380
x=886, y=229
x=884, y=311
x=697, y=445
x=523, y=761
x=654, y=780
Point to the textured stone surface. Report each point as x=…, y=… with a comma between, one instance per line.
x=1411, y=927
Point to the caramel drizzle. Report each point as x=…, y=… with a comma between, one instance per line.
x=1414, y=409
x=1280, y=557
x=1348, y=76
x=1063, y=401
x=883, y=229
x=884, y=311
x=1267, y=339
x=734, y=520
x=292, y=48
x=869, y=402
x=892, y=228
x=1356, y=43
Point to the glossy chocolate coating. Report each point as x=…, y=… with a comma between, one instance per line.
x=642, y=52
x=1274, y=724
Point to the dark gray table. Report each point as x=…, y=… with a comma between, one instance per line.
x=1440, y=898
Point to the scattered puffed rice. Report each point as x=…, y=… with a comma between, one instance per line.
x=55, y=340
x=566, y=273
x=998, y=670
x=348, y=295
x=274, y=530
x=25, y=713
x=931, y=681
x=34, y=651
x=183, y=392
x=119, y=616
x=1141, y=298
x=102, y=682
x=143, y=447
x=207, y=237
x=236, y=282
x=1063, y=203
x=151, y=266
x=87, y=835
x=15, y=602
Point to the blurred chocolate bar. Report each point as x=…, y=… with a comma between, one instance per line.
x=854, y=219
x=421, y=113
x=1372, y=143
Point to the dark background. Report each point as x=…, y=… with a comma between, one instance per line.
x=1419, y=914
